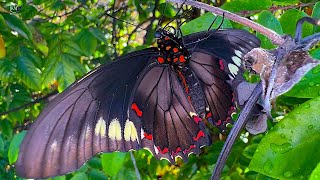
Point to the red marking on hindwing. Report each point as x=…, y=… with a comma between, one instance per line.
x=166, y=38
x=168, y=47
x=182, y=59
x=165, y=150
x=136, y=109
x=209, y=115
x=218, y=123
x=196, y=119
x=175, y=60
x=221, y=64
x=199, y=135
x=177, y=151
x=160, y=60
x=184, y=82
x=175, y=50
x=189, y=149
x=148, y=136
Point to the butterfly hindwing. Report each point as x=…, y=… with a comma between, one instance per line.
x=170, y=127
x=216, y=60
x=87, y=118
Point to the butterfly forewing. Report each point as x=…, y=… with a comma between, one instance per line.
x=87, y=118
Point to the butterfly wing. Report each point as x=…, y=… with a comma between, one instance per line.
x=87, y=118
x=216, y=61
x=169, y=125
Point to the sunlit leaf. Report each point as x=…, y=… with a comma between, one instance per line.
x=28, y=73
x=203, y=23
x=268, y=20
x=2, y=48
x=113, y=162
x=290, y=149
x=315, y=173
x=289, y=20
x=245, y=5
x=14, y=147
x=18, y=25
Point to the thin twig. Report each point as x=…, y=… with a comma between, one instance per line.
x=135, y=165
x=272, y=35
x=29, y=103
x=238, y=125
x=276, y=8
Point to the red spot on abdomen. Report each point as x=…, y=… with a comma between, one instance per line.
x=221, y=64
x=199, y=135
x=209, y=115
x=148, y=136
x=182, y=59
x=165, y=150
x=136, y=109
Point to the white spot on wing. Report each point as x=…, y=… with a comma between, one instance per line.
x=192, y=114
x=130, y=131
x=100, y=129
x=114, y=132
x=156, y=149
x=233, y=69
x=238, y=53
x=236, y=60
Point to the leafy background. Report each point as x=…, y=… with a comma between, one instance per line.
x=47, y=45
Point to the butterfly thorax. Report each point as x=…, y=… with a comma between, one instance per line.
x=171, y=49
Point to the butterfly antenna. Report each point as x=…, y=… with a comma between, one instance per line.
x=174, y=18
x=160, y=20
x=208, y=35
x=125, y=22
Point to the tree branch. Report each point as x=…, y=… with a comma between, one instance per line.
x=238, y=125
x=272, y=35
x=29, y=104
x=276, y=8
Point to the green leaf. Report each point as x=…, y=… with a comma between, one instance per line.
x=1, y=146
x=28, y=73
x=246, y=5
x=6, y=128
x=26, y=52
x=48, y=74
x=203, y=23
x=291, y=149
x=316, y=173
x=289, y=20
x=79, y=176
x=18, y=25
x=267, y=19
x=167, y=10
x=98, y=34
x=95, y=174
x=87, y=42
x=112, y=162
x=308, y=86
x=14, y=147
x=65, y=75
x=284, y=2
x=7, y=69
x=316, y=14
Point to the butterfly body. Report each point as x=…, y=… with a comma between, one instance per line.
x=154, y=98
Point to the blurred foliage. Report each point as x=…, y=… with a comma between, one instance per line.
x=47, y=45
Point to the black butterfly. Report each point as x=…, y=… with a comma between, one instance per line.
x=155, y=98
